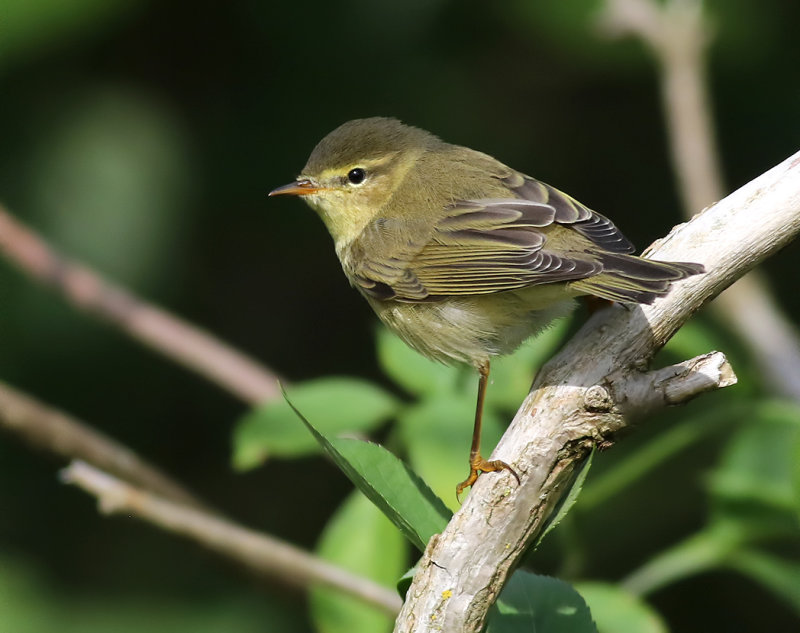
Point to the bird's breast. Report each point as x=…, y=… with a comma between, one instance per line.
x=472, y=329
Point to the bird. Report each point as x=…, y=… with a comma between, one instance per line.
x=461, y=256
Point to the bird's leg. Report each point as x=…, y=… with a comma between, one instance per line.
x=478, y=464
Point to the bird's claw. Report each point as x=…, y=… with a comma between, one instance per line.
x=480, y=465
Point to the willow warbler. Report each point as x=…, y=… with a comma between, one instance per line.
x=461, y=256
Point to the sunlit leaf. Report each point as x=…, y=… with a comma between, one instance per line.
x=411, y=370
x=338, y=405
x=389, y=483
x=755, y=481
x=539, y=603
x=618, y=611
x=361, y=539
x=437, y=433
x=511, y=376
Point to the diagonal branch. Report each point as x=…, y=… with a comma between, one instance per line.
x=678, y=34
x=153, y=496
x=59, y=433
x=179, y=340
x=583, y=397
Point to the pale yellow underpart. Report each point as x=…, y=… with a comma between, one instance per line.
x=472, y=329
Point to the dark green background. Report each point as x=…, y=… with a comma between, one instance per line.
x=143, y=137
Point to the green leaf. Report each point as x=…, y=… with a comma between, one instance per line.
x=31, y=603
x=667, y=444
x=700, y=552
x=782, y=577
x=618, y=611
x=566, y=503
x=412, y=371
x=756, y=481
x=404, y=582
x=693, y=339
x=511, y=376
x=391, y=485
x=338, y=404
x=539, y=604
x=796, y=479
x=361, y=539
x=437, y=434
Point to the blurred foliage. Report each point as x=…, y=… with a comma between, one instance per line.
x=142, y=137
x=341, y=405
x=359, y=538
x=539, y=603
x=399, y=493
x=111, y=176
x=753, y=493
x=29, y=603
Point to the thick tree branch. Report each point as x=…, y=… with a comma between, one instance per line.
x=260, y=552
x=678, y=34
x=565, y=414
x=180, y=341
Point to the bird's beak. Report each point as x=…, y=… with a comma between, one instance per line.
x=300, y=187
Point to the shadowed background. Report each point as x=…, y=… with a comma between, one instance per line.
x=143, y=137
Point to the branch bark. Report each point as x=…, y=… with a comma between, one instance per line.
x=262, y=553
x=678, y=34
x=175, y=338
x=583, y=397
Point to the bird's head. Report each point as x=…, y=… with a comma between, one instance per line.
x=353, y=172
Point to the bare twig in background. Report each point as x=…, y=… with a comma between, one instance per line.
x=678, y=34
x=153, y=496
x=158, y=499
x=51, y=430
x=262, y=553
x=583, y=396
x=178, y=340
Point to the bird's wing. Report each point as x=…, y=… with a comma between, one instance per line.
x=483, y=246
x=595, y=227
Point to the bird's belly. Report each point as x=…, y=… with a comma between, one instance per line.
x=473, y=328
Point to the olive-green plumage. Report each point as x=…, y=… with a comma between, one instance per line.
x=461, y=256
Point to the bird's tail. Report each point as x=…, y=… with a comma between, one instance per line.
x=632, y=279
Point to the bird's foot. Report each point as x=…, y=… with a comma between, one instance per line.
x=479, y=465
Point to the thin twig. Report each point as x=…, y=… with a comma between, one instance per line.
x=262, y=553
x=155, y=497
x=52, y=430
x=678, y=34
x=180, y=341
x=583, y=397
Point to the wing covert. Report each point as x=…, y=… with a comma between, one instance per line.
x=477, y=247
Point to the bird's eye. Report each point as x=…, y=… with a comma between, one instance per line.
x=356, y=175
